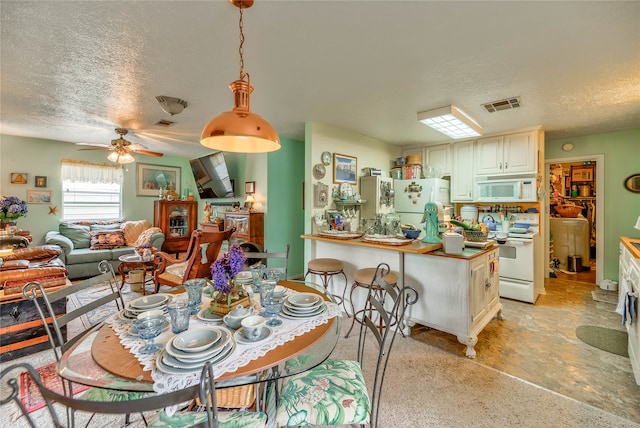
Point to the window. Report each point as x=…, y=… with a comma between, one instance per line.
x=91, y=191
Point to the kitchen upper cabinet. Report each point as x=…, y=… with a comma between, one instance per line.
x=462, y=171
x=440, y=155
x=508, y=154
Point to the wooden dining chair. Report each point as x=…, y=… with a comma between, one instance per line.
x=209, y=418
x=203, y=250
x=335, y=392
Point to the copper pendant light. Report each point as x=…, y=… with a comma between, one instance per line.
x=240, y=130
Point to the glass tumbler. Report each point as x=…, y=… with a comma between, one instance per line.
x=266, y=291
x=194, y=289
x=179, y=312
x=273, y=274
x=257, y=274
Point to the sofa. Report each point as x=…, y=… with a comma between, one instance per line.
x=85, y=244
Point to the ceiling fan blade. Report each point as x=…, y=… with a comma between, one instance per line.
x=98, y=148
x=149, y=153
x=136, y=147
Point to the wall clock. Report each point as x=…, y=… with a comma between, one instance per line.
x=319, y=171
x=326, y=158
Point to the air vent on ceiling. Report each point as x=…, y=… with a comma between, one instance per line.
x=506, y=104
x=164, y=122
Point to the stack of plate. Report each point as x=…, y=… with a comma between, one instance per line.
x=142, y=304
x=303, y=305
x=188, y=351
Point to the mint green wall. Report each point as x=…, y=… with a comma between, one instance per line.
x=42, y=157
x=621, y=159
x=284, y=221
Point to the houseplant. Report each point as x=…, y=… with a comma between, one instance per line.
x=11, y=208
x=225, y=296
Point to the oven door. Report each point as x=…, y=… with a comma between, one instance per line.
x=516, y=259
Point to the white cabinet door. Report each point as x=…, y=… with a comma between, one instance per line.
x=479, y=280
x=440, y=155
x=462, y=171
x=508, y=154
x=520, y=153
x=489, y=156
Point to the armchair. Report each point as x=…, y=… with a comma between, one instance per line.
x=173, y=272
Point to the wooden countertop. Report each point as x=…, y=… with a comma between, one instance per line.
x=416, y=247
x=626, y=241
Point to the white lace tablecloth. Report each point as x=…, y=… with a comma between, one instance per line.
x=242, y=355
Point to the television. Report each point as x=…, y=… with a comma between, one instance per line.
x=211, y=175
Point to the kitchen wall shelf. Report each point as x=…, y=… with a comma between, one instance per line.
x=340, y=204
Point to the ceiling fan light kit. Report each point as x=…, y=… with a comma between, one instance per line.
x=239, y=130
x=171, y=105
x=451, y=121
x=122, y=150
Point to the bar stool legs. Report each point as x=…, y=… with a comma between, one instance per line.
x=326, y=269
x=363, y=278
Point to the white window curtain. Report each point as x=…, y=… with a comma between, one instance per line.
x=91, y=191
x=87, y=172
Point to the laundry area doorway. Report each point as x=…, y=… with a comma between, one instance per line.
x=575, y=223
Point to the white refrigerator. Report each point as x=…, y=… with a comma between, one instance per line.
x=412, y=195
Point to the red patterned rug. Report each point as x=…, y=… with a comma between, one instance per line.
x=29, y=394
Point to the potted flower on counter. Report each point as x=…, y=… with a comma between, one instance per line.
x=11, y=209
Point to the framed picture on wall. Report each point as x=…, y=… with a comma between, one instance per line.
x=345, y=169
x=582, y=173
x=152, y=178
x=38, y=196
x=19, y=177
x=41, y=181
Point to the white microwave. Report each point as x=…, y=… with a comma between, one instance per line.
x=507, y=190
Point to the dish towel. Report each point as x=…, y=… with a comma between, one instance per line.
x=621, y=307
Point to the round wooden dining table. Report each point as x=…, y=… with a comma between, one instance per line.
x=100, y=360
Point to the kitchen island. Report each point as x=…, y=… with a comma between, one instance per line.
x=458, y=294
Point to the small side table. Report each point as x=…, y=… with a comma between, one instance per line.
x=127, y=263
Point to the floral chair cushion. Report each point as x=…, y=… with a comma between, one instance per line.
x=333, y=393
x=225, y=419
x=177, y=269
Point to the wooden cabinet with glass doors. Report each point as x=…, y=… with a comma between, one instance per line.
x=249, y=226
x=177, y=219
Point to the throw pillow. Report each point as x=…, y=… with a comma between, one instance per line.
x=145, y=237
x=77, y=233
x=103, y=239
x=133, y=229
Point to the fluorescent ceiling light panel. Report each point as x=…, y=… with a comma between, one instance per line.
x=451, y=121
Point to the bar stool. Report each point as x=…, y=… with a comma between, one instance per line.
x=363, y=278
x=327, y=269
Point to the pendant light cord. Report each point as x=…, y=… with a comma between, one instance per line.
x=241, y=48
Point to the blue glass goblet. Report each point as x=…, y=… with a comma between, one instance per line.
x=148, y=329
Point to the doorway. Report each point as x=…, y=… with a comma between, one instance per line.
x=581, y=178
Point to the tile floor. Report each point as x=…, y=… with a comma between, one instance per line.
x=538, y=343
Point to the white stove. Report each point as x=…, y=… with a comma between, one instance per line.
x=517, y=256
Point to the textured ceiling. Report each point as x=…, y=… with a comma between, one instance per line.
x=74, y=70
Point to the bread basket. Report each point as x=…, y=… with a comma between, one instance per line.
x=568, y=210
x=474, y=235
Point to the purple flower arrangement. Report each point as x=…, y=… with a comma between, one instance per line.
x=224, y=269
x=12, y=208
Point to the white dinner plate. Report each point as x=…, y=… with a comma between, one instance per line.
x=240, y=337
x=290, y=316
x=302, y=300
x=148, y=302
x=166, y=368
x=225, y=338
x=197, y=340
x=206, y=315
x=297, y=309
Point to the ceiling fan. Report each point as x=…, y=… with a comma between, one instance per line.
x=121, y=149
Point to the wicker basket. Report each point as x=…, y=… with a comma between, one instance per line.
x=571, y=211
x=223, y=309
x=475, y=235
x=237, y=397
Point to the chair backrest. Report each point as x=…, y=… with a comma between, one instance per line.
x=384, y=314
x=203, y=250
x=281, y=260
x=149, y=403
x=59, y=344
